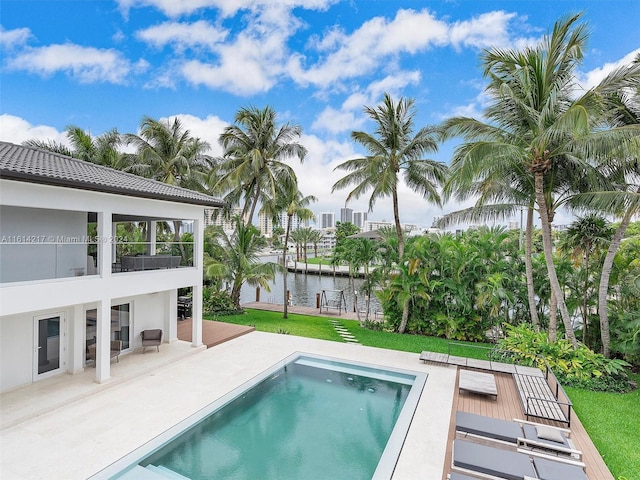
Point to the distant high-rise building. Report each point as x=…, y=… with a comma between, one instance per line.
x=346, y=215
x=226, y=224
x=266, y=223
x=327, y=220
x=359, y=218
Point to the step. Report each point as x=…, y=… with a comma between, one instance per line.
x=141, y=473
x=165, y=472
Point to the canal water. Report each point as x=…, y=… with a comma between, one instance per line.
x=305, y=287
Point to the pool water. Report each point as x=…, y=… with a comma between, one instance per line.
x=312, y=418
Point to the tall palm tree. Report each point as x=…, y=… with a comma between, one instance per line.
x=540, y=138
x=392, y=148
x=166, y=151
x=290, y=201
x=620, y=93
x=255, y=152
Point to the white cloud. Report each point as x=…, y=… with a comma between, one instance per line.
x=484, y=31
x=253, y=61
x=13, y=38
x=181, y=36
x=207, y=129
x=86, y=64
x=593, y=77
x=350, y=116
x=336, y=121
x=363, y=51
x=17, y=130
x=227, y=8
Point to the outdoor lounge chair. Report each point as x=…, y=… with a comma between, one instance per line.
x=490, y=462
x=151, y=338
x=535, y=438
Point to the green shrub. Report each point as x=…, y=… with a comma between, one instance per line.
x=579, y=367
x=217, y=302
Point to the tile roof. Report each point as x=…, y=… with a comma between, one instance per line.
x=28, y=164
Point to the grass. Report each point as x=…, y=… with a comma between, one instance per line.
x=609, y=418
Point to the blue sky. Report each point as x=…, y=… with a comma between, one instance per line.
x=105, y=64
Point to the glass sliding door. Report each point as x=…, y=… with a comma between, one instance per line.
x=120, y=327
x=49, y=335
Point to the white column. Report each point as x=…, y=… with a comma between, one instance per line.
x=196, y=316
x=198, y=255
x=106, y=243
x=103, y=341
x=77, y=345
x=151, y=236
x=171, y=319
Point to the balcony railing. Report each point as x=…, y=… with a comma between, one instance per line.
x=30, y=258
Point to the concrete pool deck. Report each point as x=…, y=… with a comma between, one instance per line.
x=81, y=437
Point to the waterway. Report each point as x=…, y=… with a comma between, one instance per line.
x=305, y=287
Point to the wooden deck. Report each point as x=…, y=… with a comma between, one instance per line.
x=213, y=333
x=507, y=406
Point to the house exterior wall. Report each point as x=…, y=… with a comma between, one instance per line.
x=152, y=294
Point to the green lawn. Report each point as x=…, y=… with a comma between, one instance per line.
x=612, y=422
x=609, y=418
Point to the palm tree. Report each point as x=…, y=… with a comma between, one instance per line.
x=102, y=150
x=391, y=149
x=255, y=152
x=288, y=200
x=315, y=238
x=238, y=260
x=166, y=151
x=585, y=236
x=540, y=139
x=620, y=93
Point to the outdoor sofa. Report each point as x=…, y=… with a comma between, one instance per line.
x=151, y=338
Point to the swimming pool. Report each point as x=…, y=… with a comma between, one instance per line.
x=307, y=417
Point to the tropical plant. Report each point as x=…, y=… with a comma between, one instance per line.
x=238, y=260
x=255, y=152
x=574, y=367
x=393, y=148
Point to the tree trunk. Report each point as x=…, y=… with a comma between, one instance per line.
x=548, y=256
x=405, y=316
x=396, y=216
x=284, y=269
x=585, y=299
x=531, y=294
x=603, y=290
x=553, y=318
x=249, y=219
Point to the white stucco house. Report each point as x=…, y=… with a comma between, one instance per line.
x=68, y=283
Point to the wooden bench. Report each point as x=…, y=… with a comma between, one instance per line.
x=538, y=400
